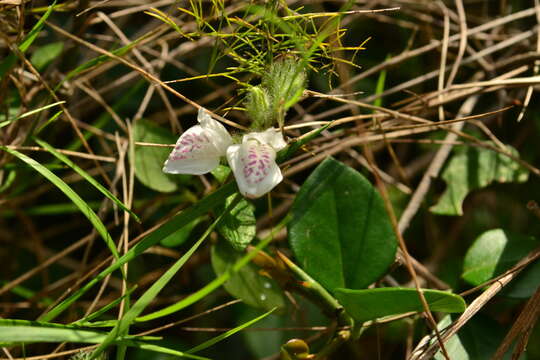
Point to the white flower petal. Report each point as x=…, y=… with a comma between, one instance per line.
x=199, y=148
x=215, y=130
x=254, y=167
x=271, y=136
x=194, y=153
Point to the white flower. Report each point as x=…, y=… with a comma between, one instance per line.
x=199, y=148
x=254, y=162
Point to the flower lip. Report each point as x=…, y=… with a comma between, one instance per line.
x=253, y=162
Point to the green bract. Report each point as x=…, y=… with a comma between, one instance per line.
x=282, y=84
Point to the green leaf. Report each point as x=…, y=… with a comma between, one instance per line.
x=46, y=54
x=7, y=180
x=494, y=252
x=475, y=168
x=86, y=176
x=221, y=173
x=340, y=232
x=71, y=194
x=247, y=284
x=149, y=159
x=370, y=304
x=238, y=226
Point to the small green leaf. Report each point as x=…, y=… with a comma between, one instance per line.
x=221, y=173
x=475, y=168
x=340, y=232
x=6, y=179
x=44, y=55
x=238, y=226
x=370, y=304
x=494, y=252
x=149, y=159
x=247, y=284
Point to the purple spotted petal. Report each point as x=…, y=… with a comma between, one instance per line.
x=254, y=167
x=194, y=153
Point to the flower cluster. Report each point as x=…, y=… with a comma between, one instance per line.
x=253, y=162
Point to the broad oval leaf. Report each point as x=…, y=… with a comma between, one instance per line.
x=340, y=232
x=472, y=169
x=370, y=304
x=494, y=252
x=238, y=225
x=247, y=284
x=149, y=159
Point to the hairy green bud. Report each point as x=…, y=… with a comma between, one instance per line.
x=285, y=81
x=259, y=108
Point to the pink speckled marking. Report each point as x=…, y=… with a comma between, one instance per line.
x=256, y=164
x=189, y=146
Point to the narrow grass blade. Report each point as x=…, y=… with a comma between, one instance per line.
x=99, y=60
x=51, y=119
x=214, y=284
x=381, y=81
x=42, y=324
x=226, y=334
x=27, y=293
x=123, y=324
x=86, y=176
x=185, y=217
x=9, y=61
x=20, y=334
x=31, y=112
x=290, y=150
x=162, y=349
x=25, y=334
x=71, y=194
x=85, y=320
